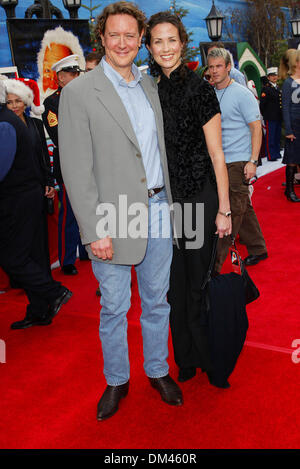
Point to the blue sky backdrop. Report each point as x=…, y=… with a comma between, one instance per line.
x=194, y=21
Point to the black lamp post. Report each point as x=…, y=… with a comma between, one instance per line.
x=214, y=23
x=43, y=9
x=295, y=23
x=72, y=6
x=9, y=7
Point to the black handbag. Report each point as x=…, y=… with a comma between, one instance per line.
x=223, y=311
x=251, y=290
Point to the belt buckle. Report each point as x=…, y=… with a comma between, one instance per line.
x=151, y=193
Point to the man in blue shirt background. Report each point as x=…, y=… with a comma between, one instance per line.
x=241, y=139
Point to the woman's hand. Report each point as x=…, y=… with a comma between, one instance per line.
x=291, y=137
x=223, y=225
x=103, y=248
x=50, y=192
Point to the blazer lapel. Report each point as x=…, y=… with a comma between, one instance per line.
x=110, y=99
x=152, y=95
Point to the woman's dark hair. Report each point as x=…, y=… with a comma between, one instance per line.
x=159, y=18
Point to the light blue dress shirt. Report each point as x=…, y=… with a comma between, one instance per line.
x=142, y=119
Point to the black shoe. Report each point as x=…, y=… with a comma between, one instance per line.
x=186, y=373
x=255, y=259
x=69, y=269
x=61, y=300
x=29, y=322
x=109, y=402
x=291, y=196
x=168, y=390
x=289, y=191
x=213, y=382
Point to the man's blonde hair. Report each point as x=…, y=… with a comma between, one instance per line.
x=217, y=53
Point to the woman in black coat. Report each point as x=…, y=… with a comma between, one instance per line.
x=24, y=192
x=18, y=96
x=198, y=177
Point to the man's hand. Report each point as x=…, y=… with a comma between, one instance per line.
x=249, y=170
x=103, y=248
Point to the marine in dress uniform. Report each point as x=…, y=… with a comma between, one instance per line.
x=68, y=233
x=271, y=110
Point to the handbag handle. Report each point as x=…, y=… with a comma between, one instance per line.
x=212, y=261
x=213, y=258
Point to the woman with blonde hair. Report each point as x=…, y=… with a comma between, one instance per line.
x=284, y=64
x=291, y=116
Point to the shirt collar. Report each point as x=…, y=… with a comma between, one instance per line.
x=273, y=84
x=117, y=79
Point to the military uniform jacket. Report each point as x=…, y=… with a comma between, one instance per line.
x=270, y=103
x=50, y=119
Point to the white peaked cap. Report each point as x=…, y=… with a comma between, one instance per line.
x=272, y=70
x=69, y=62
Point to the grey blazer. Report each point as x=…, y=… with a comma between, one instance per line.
x=100, y=156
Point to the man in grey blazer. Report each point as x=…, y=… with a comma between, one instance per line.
x=115, y=169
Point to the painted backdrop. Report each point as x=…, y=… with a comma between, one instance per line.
x=198, y=10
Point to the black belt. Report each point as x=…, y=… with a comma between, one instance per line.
x=156, y=190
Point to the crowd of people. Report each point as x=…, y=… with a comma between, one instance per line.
x=164, y=139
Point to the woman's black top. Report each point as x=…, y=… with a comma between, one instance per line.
x=188, y=103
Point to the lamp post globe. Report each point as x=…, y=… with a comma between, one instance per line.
x=214, y=23
x=295, y=23
x=72, y=6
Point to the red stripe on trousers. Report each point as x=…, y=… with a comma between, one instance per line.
x=63, y=239
x=267, y=141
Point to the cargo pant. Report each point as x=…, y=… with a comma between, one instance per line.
x=244, y=220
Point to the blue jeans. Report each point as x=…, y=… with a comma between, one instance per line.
x=153, y=275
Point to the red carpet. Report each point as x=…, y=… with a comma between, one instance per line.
x=52, y=379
